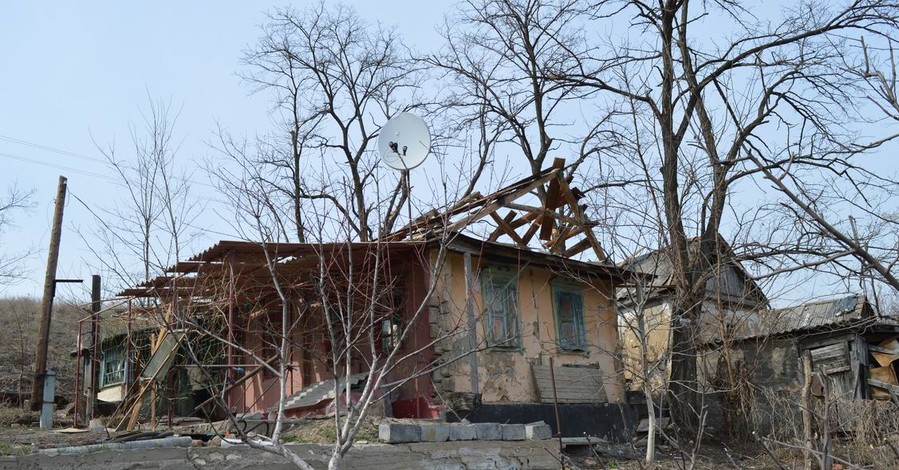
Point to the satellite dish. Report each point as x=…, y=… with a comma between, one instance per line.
x=404, y=142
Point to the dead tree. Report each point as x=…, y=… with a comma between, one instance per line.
x=496, y=55
x=11, y=263
x=334, y=79
x=777, y=90
x=149, y=228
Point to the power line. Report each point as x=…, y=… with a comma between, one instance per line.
x=107, y=178
x=50, y=149
x=76, y=155
x=58, y=166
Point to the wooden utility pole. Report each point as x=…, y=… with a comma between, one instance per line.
x=40, y=361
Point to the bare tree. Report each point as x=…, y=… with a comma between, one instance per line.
x=496, y=55
x=334, y=80
x=149, y=229
x=782, y=91
x=12, y=268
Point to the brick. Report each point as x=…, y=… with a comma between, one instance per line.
x=489, y=431
x=434, y=432
x=537, y=431
x=394, y=433
x=463, y=432
x=513, y=432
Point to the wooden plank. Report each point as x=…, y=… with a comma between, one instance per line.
x=835, y=370
x=565, y=234
x=553, y=194
x=577, y=248
x=532, y=229
x=499, y=202
x=546, y=228
x=827, y=353
x=573, y=384
x=499, y=229
x=501, y=223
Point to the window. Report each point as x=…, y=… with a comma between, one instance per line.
x=501, y=308
x=112, y=368
x=390, y=334
x=568, y=303
x=392, y=319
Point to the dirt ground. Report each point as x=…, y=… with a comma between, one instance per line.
x=20, y=435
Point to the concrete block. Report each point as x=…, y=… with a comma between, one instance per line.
x=489, y=431
x=513, y=432
x=537, y=431
x=435, y=432
x=395, y=433
x=463, y=432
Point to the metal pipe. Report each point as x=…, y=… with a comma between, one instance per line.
x=79, y=365
x=229, y=372
x=95, y=321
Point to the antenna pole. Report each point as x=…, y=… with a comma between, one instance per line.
x=40, y=360
x=407, y=174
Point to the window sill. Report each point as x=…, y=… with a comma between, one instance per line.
x=518, y=349
x=572, y=352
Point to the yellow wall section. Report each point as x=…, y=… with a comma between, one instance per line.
x=505, y=375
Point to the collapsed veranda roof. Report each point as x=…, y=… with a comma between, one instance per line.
x=249, y=257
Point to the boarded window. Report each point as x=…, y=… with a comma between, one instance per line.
x=501, y=308
x=568, y=303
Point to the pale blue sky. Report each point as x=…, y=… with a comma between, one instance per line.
x=72, y=70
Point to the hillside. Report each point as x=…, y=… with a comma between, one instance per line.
x=20, y=322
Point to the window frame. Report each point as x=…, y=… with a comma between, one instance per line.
x=508, y=278
x=114, y=355
x=579, y=343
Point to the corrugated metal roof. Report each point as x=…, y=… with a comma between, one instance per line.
x=848, y=311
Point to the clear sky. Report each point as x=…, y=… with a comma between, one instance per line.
x=71, y=72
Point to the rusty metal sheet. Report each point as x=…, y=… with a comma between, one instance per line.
x=886, y=375
x=886, y=352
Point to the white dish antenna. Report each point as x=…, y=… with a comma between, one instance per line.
x=404, y=142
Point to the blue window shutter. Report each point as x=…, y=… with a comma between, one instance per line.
x=570, y=318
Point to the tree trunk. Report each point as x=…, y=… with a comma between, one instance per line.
x=683, y=387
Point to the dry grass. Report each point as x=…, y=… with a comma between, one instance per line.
x=863, y=432
x=15, y=415
x=19, y=321
x=323, y=431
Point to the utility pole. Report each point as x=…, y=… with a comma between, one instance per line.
x=40, y=361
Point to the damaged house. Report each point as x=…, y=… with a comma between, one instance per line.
x=731, y=305
x=750, y=353
x=845, y=348
x=480, y=314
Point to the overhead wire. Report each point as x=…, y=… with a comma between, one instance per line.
x=73, y=154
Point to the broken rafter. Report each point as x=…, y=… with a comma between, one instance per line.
x=502, y=224
x=502, y=228
x=477, y=207
x=551, y=220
